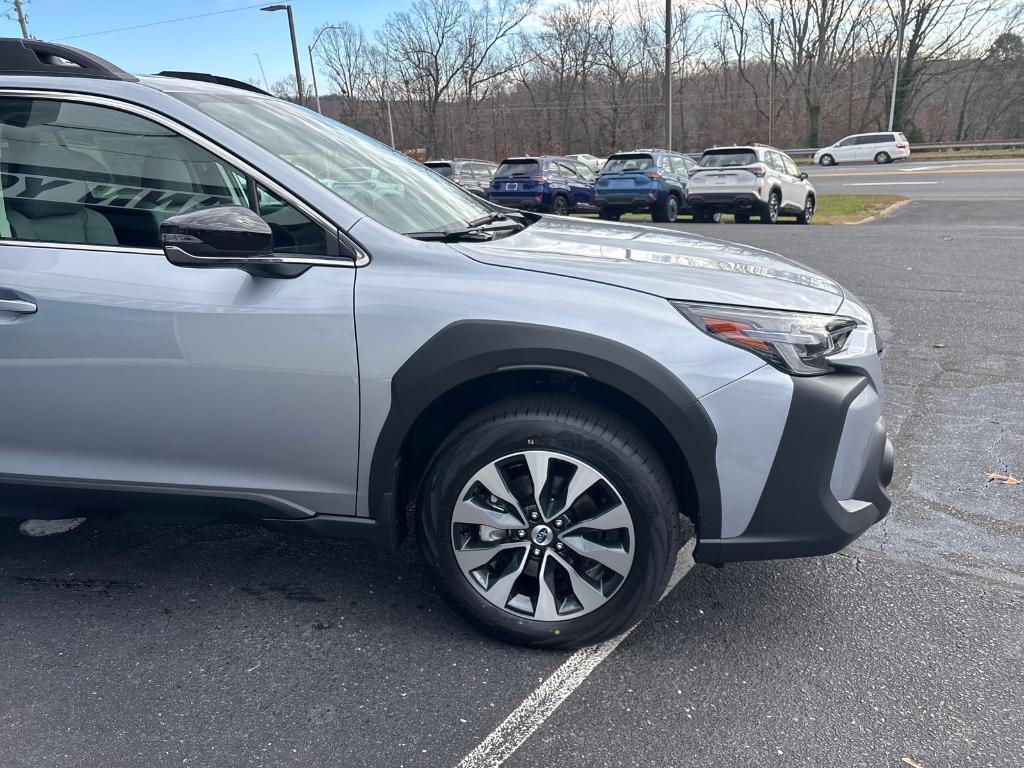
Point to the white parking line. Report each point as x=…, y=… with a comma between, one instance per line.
x=513, y=732
x=886, y=183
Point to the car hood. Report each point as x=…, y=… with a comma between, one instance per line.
x=662, y=262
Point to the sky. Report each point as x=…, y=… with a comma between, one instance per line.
x=224, y=43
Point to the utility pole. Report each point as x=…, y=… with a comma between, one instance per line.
x=896, y=60
x=771, y=83
x=312, y=67
x=22, y=21
x=668, y=74
x=295, y=46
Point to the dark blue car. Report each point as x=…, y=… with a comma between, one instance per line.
x=546, y=183
x=651, y=180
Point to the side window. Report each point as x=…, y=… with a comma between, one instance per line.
x=776, y=162
x=665, y=163
x=78, y=173
x=690, y=163
x=871, y=138
x=293, y=231
x=678, y=165
x=85, y=174
x=565, y=171
x=848, y=141
x=585, y=173
x=468, y=171
x=791, y=168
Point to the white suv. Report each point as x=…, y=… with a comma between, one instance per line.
x=861, y=147
x=750, y=181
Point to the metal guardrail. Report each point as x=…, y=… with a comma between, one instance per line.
x=1010, y=144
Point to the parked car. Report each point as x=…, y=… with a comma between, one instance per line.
x=862, y=147
x=651, y=180
x=474, y=175
x=545, y=397
x=750, y=181
x=593, y=163
x=548, y=183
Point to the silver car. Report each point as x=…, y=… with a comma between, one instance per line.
x=203, y=319
x=750, y=181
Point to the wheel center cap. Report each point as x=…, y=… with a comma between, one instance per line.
x=541, y=535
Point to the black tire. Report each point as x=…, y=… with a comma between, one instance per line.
x=807, y=214
x=560, y=205
x=742, y=218
x=698, y=214
x=666, y=212
x=609, y=214
x=770, y=212
x=826, y=160
x=576, y=428
x=882, y=158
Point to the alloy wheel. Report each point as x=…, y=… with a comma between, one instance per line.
x=542, y=535
x=560, y=207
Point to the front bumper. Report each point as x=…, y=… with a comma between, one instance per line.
x=827, y=484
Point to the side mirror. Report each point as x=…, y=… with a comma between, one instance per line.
x=803, y=176
x=224, y=237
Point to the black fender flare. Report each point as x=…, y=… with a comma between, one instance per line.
x=471, y=349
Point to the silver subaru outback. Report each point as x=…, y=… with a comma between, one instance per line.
x=219, y=306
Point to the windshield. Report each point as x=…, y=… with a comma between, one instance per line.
x=385, y=185
x=726, y=158
x=518, y=168
x=621, y=163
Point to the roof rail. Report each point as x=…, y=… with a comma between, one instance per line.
x=205, y=77
x=19, y=56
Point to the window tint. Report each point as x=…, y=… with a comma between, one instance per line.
x=791, y=168
x=293, y=232
x=678, y=165
x=620, y=163
x=584, y=172
x=775, y=161
x=518, y=168
x=445, y=169
x=78, y=173
x=871, y=138
x=724, y=158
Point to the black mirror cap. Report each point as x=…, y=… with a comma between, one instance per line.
x=803, y=175
x=222, y=235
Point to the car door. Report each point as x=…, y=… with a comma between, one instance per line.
x=785, y=183
x=799, y=187
x=568, y=181
x=865, y=147
x=846, y=150
x=119, y=370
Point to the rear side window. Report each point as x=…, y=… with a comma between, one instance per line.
x=584, y=172
x=875, y=138
x=725, y=158
x=632, y=162
x=84, y=174
x=518, y=168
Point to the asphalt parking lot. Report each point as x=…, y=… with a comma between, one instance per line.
x=229, y=646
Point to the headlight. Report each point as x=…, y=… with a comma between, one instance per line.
x=794, y=342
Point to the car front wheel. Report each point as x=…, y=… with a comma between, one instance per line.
x=549, y=521
x=807, y=214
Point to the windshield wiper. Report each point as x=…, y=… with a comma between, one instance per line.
x=474, y=229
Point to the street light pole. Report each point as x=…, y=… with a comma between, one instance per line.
x=295, y=47
x=312, y=68
x=771, y=84
x=896, y=63
x=668, y=74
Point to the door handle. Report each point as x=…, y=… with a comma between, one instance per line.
x=17, y=305
x=11, y=301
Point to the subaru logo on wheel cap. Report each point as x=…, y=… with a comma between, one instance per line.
x=541, y=535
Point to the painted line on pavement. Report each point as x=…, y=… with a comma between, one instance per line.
x=886, y=183
x=525, y=719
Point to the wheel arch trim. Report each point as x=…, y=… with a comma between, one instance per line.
x=468, y=350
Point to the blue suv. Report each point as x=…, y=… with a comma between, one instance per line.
x=651, y=180
x=546, y=183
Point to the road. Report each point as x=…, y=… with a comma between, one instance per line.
x=935, y=179
x=127, y=646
